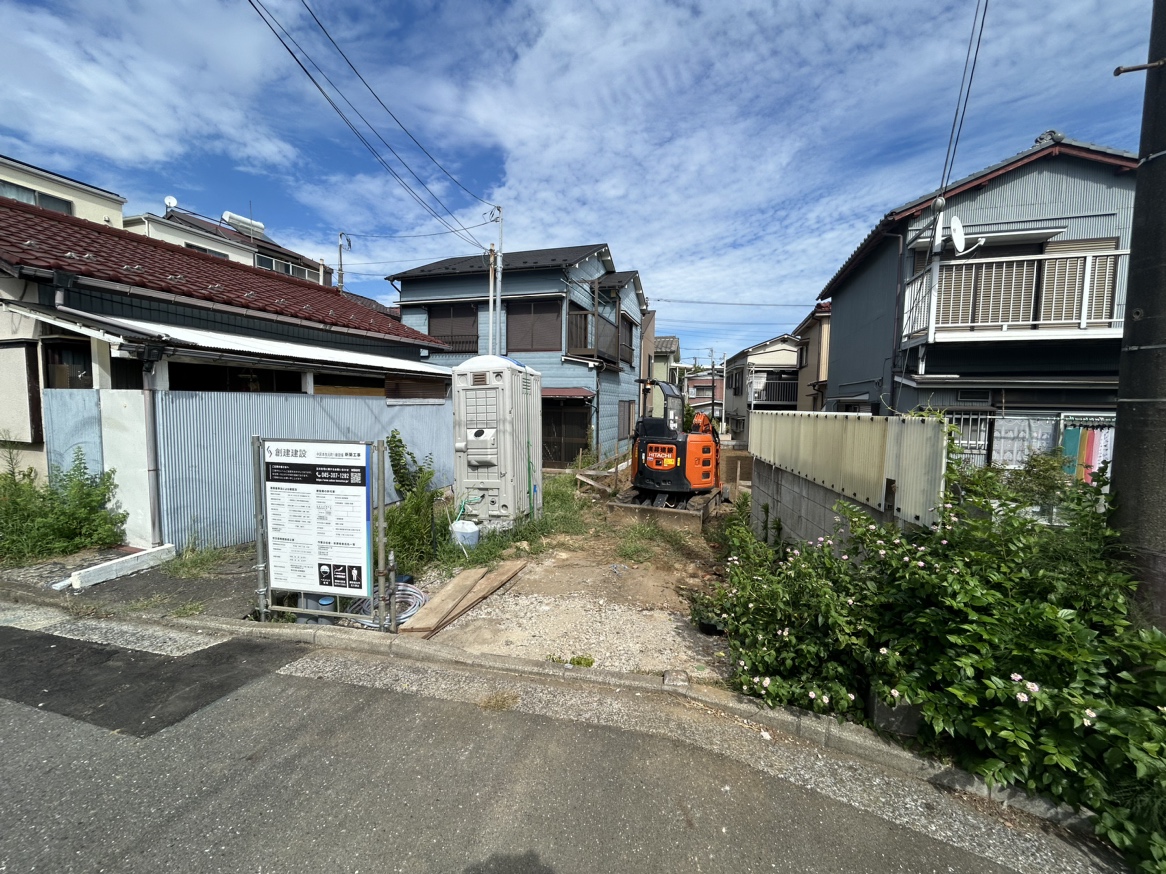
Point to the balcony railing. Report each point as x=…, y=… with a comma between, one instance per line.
x=1062, y=292
x=592, y=337
x=460, y=342
x=784, y=392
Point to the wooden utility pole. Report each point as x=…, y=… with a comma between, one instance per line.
x=1139, y=465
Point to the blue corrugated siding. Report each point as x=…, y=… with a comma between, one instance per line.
x=73, y=421
x=204, y=450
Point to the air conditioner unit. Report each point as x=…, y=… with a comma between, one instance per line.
x=497, y=422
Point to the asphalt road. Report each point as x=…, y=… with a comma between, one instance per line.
x=348, y=763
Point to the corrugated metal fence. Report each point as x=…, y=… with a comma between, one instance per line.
x=73, y=421
x=859, y=457
x=204, y=450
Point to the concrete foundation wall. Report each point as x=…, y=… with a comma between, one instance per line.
x=805, y=509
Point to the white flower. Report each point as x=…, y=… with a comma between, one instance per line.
x=1093, y=715
x=850, y=695
x=1032, y=687
x=947, y=506
x=845, y=557
x=1021, y=697
x=1016, y=678
x=825, y=699
x=849, y=601
x=882, y=650
x=1087, y=721
x=796, y=552
x=741, y=663
x=756, y=680
x=813, y=695
x=894, y=693
x=765, y=682
x=879, y=543
x=882, y=552
x=920, y=564
x=871, y=527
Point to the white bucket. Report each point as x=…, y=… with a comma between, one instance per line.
x=465, y=532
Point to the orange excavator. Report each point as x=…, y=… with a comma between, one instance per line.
x=671, y=466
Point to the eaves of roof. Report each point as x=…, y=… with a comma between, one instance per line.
x=534, y=259
x=35, y=242
x=1120, y=159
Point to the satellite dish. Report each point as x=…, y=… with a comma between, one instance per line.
x=957, y=235
x=171, y=201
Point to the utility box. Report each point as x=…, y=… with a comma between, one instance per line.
x=497, y=449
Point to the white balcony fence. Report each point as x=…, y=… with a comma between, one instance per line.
x=1059, y=291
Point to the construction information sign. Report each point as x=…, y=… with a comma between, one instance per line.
x=319, y=508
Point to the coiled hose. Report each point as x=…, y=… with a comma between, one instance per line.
x=408, y=599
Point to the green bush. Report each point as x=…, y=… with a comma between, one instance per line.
x=1010, y=634
x=73, y=511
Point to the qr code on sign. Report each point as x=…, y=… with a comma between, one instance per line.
x=354, y=476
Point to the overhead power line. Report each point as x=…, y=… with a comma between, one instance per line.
x=408, y=236
x=272, y=23
x=961, y=104
x=376, y=96
x=721, y=303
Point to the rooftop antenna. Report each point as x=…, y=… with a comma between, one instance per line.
x=171, y=201
x=959, y=238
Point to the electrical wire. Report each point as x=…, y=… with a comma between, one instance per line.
x=721, y=303
x=410, y=236
x=460, y=231
x=961, y=106
x=352, y=66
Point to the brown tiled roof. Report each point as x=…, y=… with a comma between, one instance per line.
x=533, y=259
x=31, y=237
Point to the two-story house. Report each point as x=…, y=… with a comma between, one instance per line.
x=1001, y=304
x=813, y=357
x=666, y=367
x=232, y=237
x=565, y=312
x=705, y=393
x=760, y=377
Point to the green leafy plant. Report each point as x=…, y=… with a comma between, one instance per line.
x=1011, y=635
x=75, y=510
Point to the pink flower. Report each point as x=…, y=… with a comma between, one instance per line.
x=820, y=539
x=1032, y=687
x=894, y=693
x=1016, y=678
x=920, y=564
x=765, y=682
x=944, y=542
x=1021, y=697
x=849, y=601
x=813, y=695
x=845, y=557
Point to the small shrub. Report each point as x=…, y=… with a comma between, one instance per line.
x=1012, y=636
x=75, y=510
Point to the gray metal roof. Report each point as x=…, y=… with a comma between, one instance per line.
x=1048, y=144
x=534, y=259
x=666, y=345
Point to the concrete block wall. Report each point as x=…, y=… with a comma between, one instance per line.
x=804, y=508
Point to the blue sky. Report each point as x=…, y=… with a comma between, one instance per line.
x=733, y=153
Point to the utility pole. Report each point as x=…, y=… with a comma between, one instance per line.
x=342, y=241
x=1139, y=466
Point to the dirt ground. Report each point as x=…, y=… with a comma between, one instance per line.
x=576, y=597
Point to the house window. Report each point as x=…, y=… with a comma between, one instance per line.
x=627, y=350
x=68, y=364
x=534, y=326
x=455, y=324
x=627, y=419
x=286, y=267
x=36, y=198
x=207, y=251
x=186, y=376
x=803, y=355
x=126, y=373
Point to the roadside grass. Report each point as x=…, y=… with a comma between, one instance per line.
x=499, y=701
x=87, y=609
x=143, y=604
x=190, y=608
x=194, y=561
x=647, y=540
x=578, y=661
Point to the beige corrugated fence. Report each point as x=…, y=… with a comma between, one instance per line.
x=886, y=463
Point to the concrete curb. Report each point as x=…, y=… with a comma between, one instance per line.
x=118, y=567
x=845, y=737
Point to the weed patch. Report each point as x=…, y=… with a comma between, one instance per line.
x=190, y=608
x=75, y=510
x=194, y=561
x=499, y=701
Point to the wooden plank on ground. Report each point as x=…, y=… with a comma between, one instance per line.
x=596, y=485
x=447, y=598
x=483, y=589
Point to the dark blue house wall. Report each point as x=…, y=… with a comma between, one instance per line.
x=862, y=331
